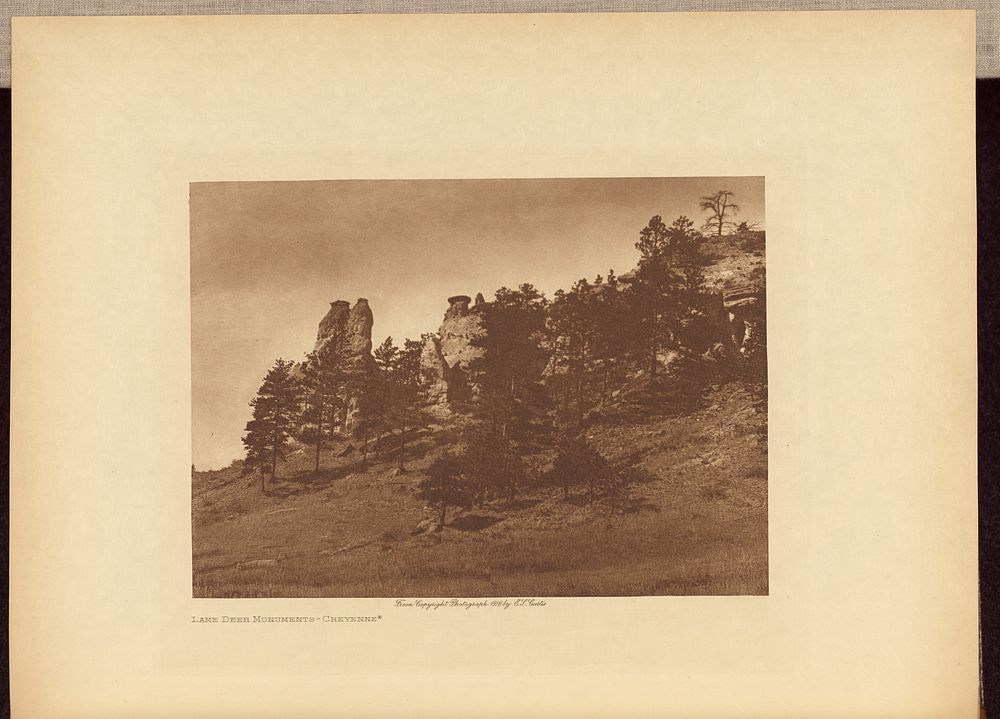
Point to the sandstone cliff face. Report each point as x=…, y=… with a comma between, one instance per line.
x=353, y=327
x=734, y=300
x=739, y=312
x=736, y=279
x=436, y=367
x=352, y=324
x=745, y=306
x=447, y=355
x=461, y=326
x=333, y=323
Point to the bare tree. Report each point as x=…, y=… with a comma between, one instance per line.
x=719, y=207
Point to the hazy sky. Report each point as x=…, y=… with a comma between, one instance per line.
x=267, y=258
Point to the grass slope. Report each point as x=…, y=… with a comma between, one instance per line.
x=699, y=526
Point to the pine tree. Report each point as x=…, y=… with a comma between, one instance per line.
x=693, y=328
x=255, y=442
x=444, y=485
x=611, y=316
x=578, y=462
x=365, y=389
x=572, y=325
x=685, y=244
x=654, y=239
x=276, y=409
x=406, y=389
x=324, y=378
x=492, y=467
x=397, y=395
x=617, y=486
x=664, y=295
x=381, y=389
x=651, y=294
x=511, y=397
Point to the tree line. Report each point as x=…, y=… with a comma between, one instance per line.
x=544, y=365
x=332, y=395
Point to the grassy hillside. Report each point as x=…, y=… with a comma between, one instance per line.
x=697, y=525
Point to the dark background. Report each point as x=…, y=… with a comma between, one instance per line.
x=988, y=178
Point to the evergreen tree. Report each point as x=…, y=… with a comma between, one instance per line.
x=510, y=369
x=572, y=325
x=493, y=469
x=510, y=402
x=611, y=317
x=406, y=389
x=381, y=389
x=444, y=485
x=324, y=380
x=693, y=328
x=665, y=295
x=276, y=409
x=258, y=456
x=367, y=393
x=685, y=244
x=398, y=392
x=651, y=294
x=578, y=462
x=654, y=239
x=617, y=487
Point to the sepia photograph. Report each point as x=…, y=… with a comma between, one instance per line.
x=375, y=365
x=479, y=388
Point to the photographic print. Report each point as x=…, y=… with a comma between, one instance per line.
x=479, y=388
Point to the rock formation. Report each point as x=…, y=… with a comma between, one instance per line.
x=461, y=326
x=448, y=354
x=737, y=308
x=436, y=371
x=353, y=327
x=351, y=324
x=744, y=306
x=333, y=323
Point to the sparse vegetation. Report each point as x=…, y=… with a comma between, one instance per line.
x=612, y=441
x=673, y=540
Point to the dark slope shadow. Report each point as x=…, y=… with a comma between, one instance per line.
x=308, y=482
x=474, y=522
x=513, y=505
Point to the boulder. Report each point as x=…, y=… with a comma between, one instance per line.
x=426, y=526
